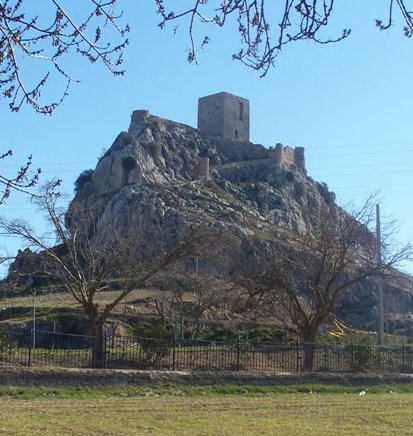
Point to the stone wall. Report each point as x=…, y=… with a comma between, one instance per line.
x=299, y=158
x=218, y=116
x=203, y=168
x=284, y=156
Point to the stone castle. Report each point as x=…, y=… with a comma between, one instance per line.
x=227, y=117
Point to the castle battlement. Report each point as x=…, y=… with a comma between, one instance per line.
x=286, y=156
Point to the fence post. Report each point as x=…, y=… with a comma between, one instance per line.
x=297, y=355
x=403, y=356
x=105, y=353
x=29, y=361
x=351, y=357
x=238, y=351
x=173, y=354
x=30, y=356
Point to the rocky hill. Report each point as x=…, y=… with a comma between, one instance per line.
x=169, y=172
x=171, y=176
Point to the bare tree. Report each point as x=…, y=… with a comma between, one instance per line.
x=185, y=299
x=91, y=254
x=299, y=278
x=266, y=27
x=46, y=39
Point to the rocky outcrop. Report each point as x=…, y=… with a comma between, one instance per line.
x=160, y=169
x=169, y=177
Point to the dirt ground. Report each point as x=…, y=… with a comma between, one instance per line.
x=54, y=376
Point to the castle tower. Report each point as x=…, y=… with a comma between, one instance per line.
x=299, y=158
x=225, y=115
x=138, y=122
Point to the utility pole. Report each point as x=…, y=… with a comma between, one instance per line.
x=379, y=287
x=34, y=318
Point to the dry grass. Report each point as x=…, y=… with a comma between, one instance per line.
x=64, y=299
x=216, y=414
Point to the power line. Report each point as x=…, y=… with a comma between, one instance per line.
x=340, y=171
x=374, y=153
x=359, y=145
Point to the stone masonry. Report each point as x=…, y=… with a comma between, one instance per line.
x=225, y=116
x=286, y=156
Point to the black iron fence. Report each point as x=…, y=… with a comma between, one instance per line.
x=55, y=349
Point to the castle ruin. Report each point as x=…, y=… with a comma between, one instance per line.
x=225, y=116
x=285, y=156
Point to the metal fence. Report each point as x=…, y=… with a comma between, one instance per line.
x=54, y=349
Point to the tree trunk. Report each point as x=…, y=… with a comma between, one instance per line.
x=98, y=345
x=309, y=349
x=98, y=340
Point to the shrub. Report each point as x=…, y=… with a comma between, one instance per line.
x=155, y=149
x=266, y=334
x=363, y=357
x=153, y=124
x=219, y=333
x=104, y=152
x=155, y=346
x=328, y=196
x=85, y=177
x=4, y=340
x=7, y=347
x=289, y=176
x=128, y=163
x=124, y=139
x=299, y=189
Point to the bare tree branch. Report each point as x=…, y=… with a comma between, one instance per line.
x=92, y=253
x=266, y=29
x=184, y=299
x=48, y=39
x=23, y=181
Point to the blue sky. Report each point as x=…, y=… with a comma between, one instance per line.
x=348, y=104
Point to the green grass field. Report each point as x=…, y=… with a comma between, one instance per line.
x=221, y=410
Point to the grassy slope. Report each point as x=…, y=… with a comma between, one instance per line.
x=64, y=299
x=47, y=305
x=203, y=411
